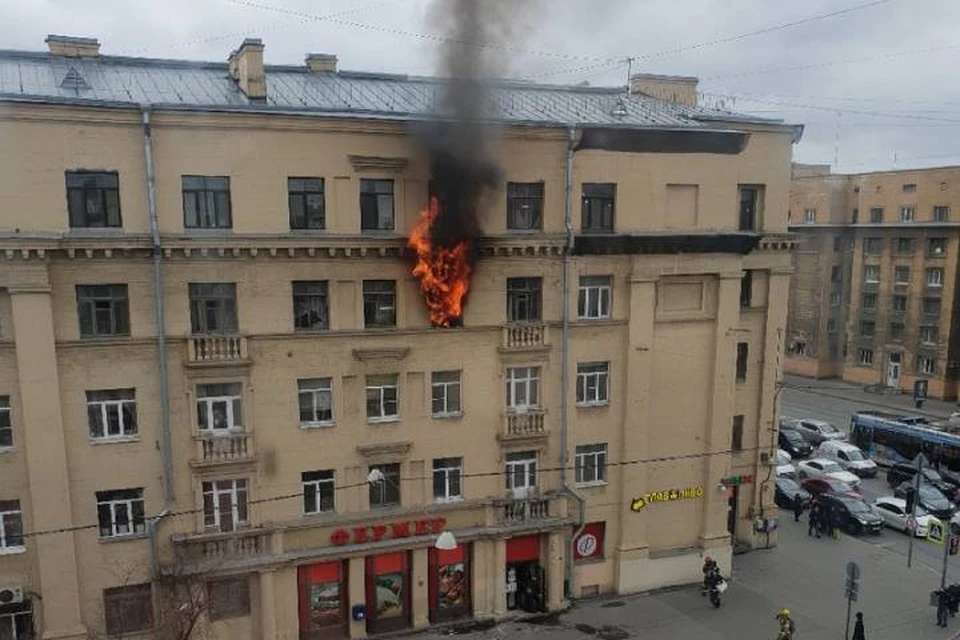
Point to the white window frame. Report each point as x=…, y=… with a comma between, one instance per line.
x=450, y=467
x=593, y=384
x=6, y=423
x=931, y=329
x=234, y=488
x=523, y=463
x=936, y=247
x=907, y=213
x=314, y=389
x=935, y=277
x=865, y=361
x=594, y=297
x=446, y=388
x=926, y=366
x=867, y=270
x=809, y=216
x=9, y=621
x=208, y=403
x=525, y=382
x=597, y=454
x=128, y=504
x=116, y=407
x=5, y=546
x=380, y=389
x=896, y=274
x=317, y=485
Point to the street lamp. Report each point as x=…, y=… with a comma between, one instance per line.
x=446, y=541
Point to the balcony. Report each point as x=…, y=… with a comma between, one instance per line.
x=519, y=336
x=223, y=449
x=532, y=509
x=220, y=548
x=216, y=349
x=527, y=424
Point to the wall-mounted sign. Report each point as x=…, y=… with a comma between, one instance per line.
x=589, y=544
x=735, y=481
x=670, y=495
x=378, y=532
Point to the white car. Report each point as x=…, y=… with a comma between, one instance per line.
x=894, y=513
x=784, y=468
x=820, y=467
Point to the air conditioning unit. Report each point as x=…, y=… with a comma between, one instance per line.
x=11, y=595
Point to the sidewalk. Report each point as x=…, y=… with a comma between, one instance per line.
x=840, y=390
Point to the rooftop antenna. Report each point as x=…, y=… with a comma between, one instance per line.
x=629, y=62
x=836, y=145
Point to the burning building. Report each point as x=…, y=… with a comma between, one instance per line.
x=218, y=298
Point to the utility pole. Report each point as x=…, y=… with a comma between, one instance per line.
x=913, y=514
x=852, y=589
x=947, y=535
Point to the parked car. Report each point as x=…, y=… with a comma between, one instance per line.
x=820, y=467
x=816, y=431
x=786, y=492
x=893, y=510
x=849, y=457
x=793, y=443
x=902, y=471
x=930, y=498
x=856, y=516
x=819, y=486
x=784, y=468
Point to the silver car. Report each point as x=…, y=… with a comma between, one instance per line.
x=817, y=431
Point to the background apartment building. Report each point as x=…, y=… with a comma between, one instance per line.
x=873, y=296
x=217, y=371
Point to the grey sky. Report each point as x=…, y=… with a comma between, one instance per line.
x=918, y=103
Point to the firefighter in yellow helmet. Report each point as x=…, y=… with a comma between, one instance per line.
x=787, y=627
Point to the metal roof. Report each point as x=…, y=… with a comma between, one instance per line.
x=125, y=81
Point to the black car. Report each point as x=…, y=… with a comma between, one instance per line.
x=930, y=498
x=791, y=441
x=900, y=472
x=855, y=516
x=787, y=491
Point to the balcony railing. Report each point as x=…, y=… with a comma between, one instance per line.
x=526, y=423
x=224, y=448
x=524, y=510
x=217, y=547
x=525, y=335
x=216, y=349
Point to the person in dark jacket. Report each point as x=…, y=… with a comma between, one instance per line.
x=953, y=599
x=858, y=632
x=943, y=607
x=813, y=520
x=797, y=508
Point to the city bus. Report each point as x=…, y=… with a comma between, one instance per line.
x=889, y=438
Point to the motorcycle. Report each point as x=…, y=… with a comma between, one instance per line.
x=718, y=587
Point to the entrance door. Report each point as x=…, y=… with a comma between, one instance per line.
x=893, y=370
x=526, y=586
x=734, y=496
x=388, y=591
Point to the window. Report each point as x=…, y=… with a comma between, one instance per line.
x=103, y=310
x=318, y=491
x=593, y=298
x=835, y=274
x=928, y=334
x=936, y=247
x=523, y=388
x=941, y=213
x=876, y=215
x=593, y=383
x=900, y=303
x=213, y=307
x=525, y=206
x=896, y=331
x=904, y=245
x=385, y=492
x=871, y=273
x=521, y=471
x=206, y=202
x=11, y=527
x=128, y=609
x=16, y=621
x=591, y=463
x=869, y=301
x=931, y=306
x=445, y=393
x=935, y=277
x=868, y=328
x=835, y=298
x=926, y=365
x=749, y=203
x=376, y=205
x=736, y=434
x=305, y=199
x=225, y=504
x=855, y=215
x=524, y=299
x=311, y=306
x=901, y=275
x=120, y=513
x=837, y=243
x=746, y=289
x=93, y=199
x=6, y=425
x=228, y=598
x=112, y=414
x=382, y=398
x=447, y=474
x=906, y=214
x=809, y=216
x=872, y=246
x=315, y=397
x=910, y=188
x=379, y=303
x=597, y=207
x=831, y=325
x=865, y=357
x=742, y=350
x=219, y=407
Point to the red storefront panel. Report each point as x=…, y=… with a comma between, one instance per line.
x=589, y=544
x=322, y=589
x=523, y=549
x=388, y=592
x=389, y=563
x=449, y=585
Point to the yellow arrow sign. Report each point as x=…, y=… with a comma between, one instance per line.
x=637, y=504
x=669, y=495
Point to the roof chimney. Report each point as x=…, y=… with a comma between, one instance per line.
x=246, y=67
x=676, y=89
x=72, y=47
x=321, y=62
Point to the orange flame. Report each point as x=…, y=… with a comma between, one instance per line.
x=443, y=272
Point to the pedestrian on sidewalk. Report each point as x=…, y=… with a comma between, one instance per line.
x=858, y=632
x=953, y=599
x=836, y=523
x=943, y=607
x=797, y=507
x=787, y=626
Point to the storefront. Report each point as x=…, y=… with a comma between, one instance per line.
x=388, y=592
x=322, y=589
x=526, y=588
x=450, y=583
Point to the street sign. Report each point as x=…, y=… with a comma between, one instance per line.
x=853, y=571
x=852, y=586
x=935, y=531
x=851, y=596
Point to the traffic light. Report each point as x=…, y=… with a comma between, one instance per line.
x=954, y=546
x=911, y=499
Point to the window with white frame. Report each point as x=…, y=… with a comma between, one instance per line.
x=591, y=463
x=315, y=396
x=521, y=471
x=11, y=527
x=809, y=216
x=865, y=357
x=926, y=365
x=383, y=396
x=523, y=388
x=112, y=414
x=120, y=513
x=941, y=213
x=935, y=277
x=593, y=299
x=901, y=275
x=219, y=407
x=385, y=491
x=445, y=393
x=447, y=475
x=871, y=273
x=936, y=247
x=593, y=383
x=906, y=214
x=6, y=425
x=16, y=621
x=225, y=504
x=928, y=334
x=318, y=491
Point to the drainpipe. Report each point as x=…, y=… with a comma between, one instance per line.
x=152, y=536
